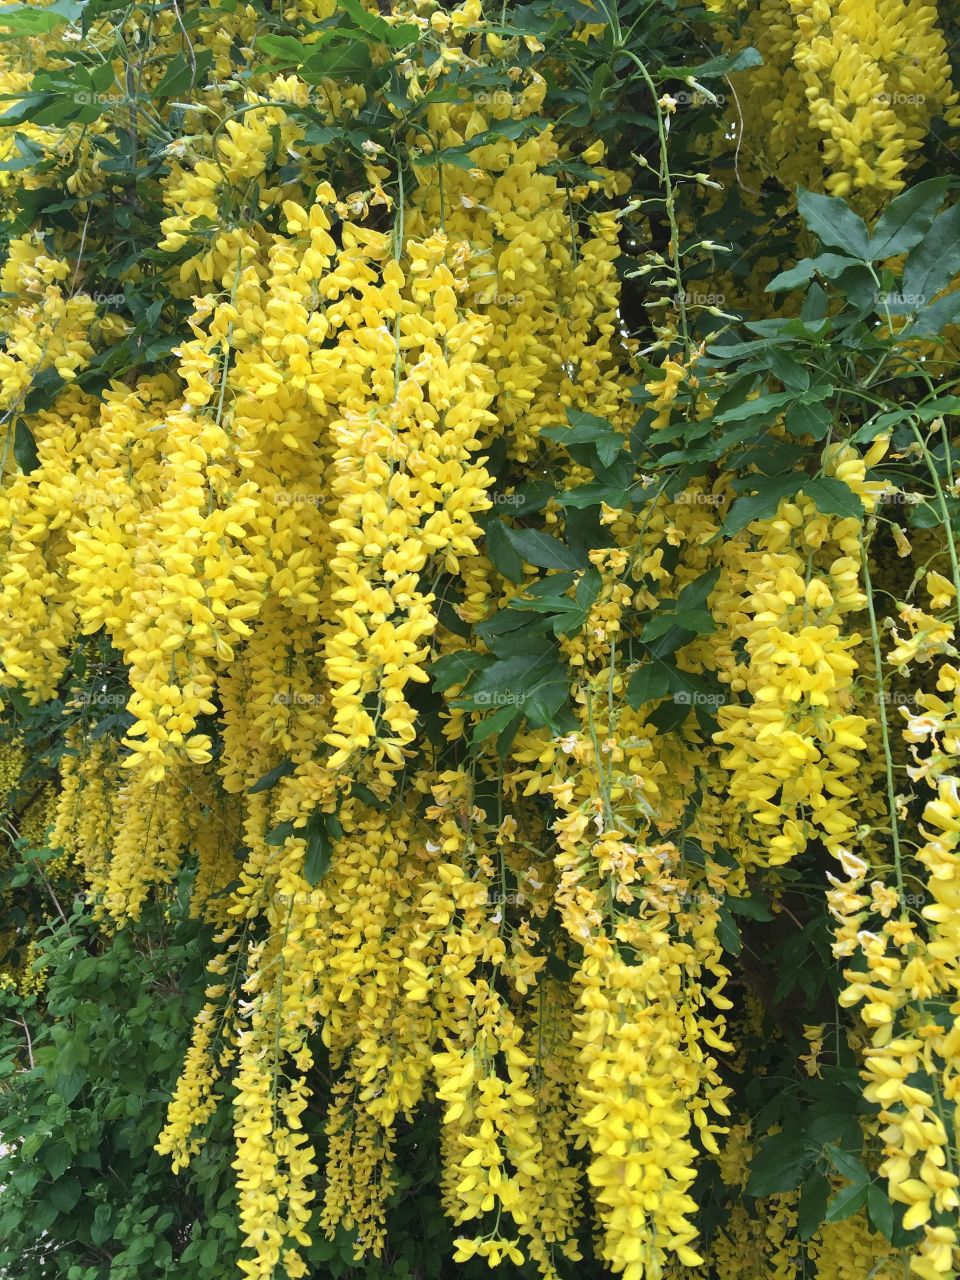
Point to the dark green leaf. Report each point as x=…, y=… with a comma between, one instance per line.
x=586, y=428
x=752, y=908
x=934, y=317
x=780, y=1165
x=764, y=503
x=283, y=50
x=880, y=1210
x=834, y=223
x=729, y=936
x=502, y=552
x=455, y=668
x=846, y=1202
x=813, y=1204
x=648, y=684
x=65, y=1193
x=847, y=1164
x=184, y=74
x=827, y=264
x=282, y=770
x=833, y=497
x=936, y=260
x=280, y=833
x=724, y=65
x=907, y=219
x=542, y=550
x=808, y=420
x=316, y=860
x=29, y=107
x=760, y=405
x=25, y=448
x=31, y=20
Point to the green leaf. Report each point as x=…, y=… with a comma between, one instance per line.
x=764, y=503
x=208, y=1252
x=846, y=1202
x=346, y=59
x=813, y=1204
x=182, y=75
x=834, y=223
x=368, y=797
x=28, y=107
x=461, y=157
x=320, y=841
x=696, y=593
x=283, y=50
x=648, y=684
x=804, y=419
x=69, y=1084
x=833, y=497
x=455, y=668
x=933, y=318
x=760, y=405
x=65, y=1193
x=780, y=1165
x=280, y=833
x=827, y=264
x=101, y=1228
x=751, y=908
x=907, y=219
x=57, y=1159
x=25, y=448
x=586, y=428
x=282, y=770
x=514, y=680
x=849, y=1165
x=502, y=552
x=936, y=260
x=880, y=1210
x=542, y=550
x=728, y=934
x=592, y=495
x=494, y=724
x=528, y=498
x=28, y=156
x=397, y=36
x=724, y=65
x=32, y=20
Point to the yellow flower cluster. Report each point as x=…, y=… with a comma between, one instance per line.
x=847, y=92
